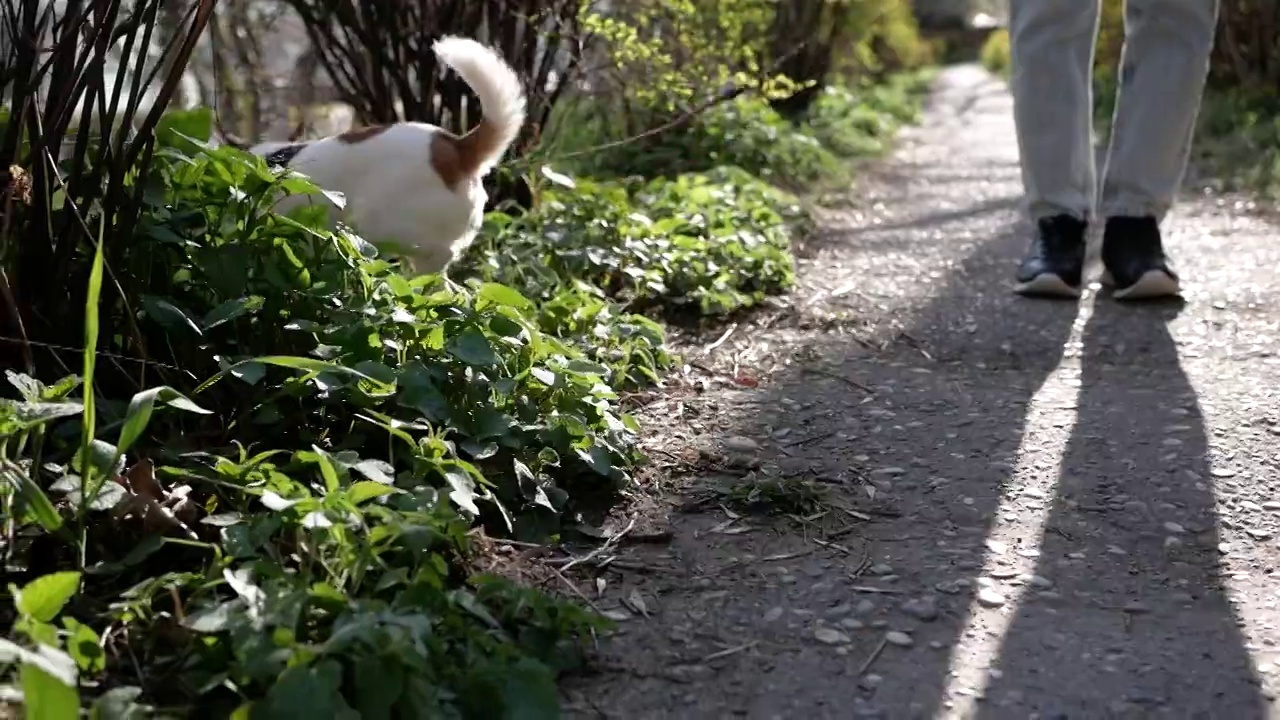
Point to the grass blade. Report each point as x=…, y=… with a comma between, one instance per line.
x=88, y=419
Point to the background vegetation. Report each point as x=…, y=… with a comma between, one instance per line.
x=249, y=467
x=1238, y=142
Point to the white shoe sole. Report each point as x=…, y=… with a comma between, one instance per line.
x=1153, y=284
x=1047, y=285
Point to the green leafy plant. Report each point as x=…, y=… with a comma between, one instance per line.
x=375, y=418
x=711, y=243
x=995, y=54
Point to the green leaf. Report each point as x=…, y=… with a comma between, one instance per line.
x=140, y=408
x=230, y=310
x=498, y=294
x=367, y=490
x=217, y=618
x=529, y=690
x=250, y=372
x=103, y=460
x=464, y=490
x=169, y=316
x=376, y=470
x=307, y=693
x=32, y=413
x=177, y=128
x=328, y=468
x=47, y=697
x=32, y=495
x=378, y=686
x=60, y=389
x=311, y=365
x=119, y=703
x=82, y=644
x=48, y=658
x=44, y=597
x=89, y=360
x=473, y=348
x=27, y=386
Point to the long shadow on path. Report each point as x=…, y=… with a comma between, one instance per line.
x=1134, y=620
x=950, y=403
x=735, y=628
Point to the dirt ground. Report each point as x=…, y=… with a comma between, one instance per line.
x=985, y=506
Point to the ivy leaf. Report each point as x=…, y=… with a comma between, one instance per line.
x=379, y=471
x=43, y=598
x=46, y=697
x=367, y=490
x=464, y=490
x=307, y=692
x=498, y=294
x=119, y=703
x=473, y=348
x=169, y=316
x=140, y=408
x=530, y=691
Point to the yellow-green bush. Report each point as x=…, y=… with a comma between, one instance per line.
x=995, y=54
x=885, y=37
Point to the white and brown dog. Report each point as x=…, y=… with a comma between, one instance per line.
x=412, y=184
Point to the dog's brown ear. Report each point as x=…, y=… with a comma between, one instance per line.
x=299, y=131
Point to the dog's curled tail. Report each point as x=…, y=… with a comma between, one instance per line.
x=502, y=102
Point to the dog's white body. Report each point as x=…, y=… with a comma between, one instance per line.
x=414, y=184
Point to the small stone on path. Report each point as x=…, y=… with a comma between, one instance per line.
x=741, y=444
x=925, y=608
x=899, y=638
x=831, y=636
x=989, y=597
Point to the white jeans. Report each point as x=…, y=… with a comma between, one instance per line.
x=1161, y=79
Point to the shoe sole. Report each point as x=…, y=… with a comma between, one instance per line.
x=1047, y=285
x=1152, y=285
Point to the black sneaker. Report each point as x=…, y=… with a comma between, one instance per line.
x=1055, y=264
x=1133, y=255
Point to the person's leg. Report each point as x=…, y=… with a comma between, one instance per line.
x=1052, y=43
x=1162, y=75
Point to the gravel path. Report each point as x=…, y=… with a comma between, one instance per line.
x=1032, y=509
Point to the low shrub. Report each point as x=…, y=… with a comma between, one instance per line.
x=996, y=55
x=748, y=133
x=711, y=243
x=300, y=537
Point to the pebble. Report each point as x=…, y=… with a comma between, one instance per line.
x=988, y=597
x=852, y=624
x=830, y=636
x=899, y=638
x=773, y=614
x=1174, y=528
x=741, y=444
x=864, y=607
x=924, y=608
